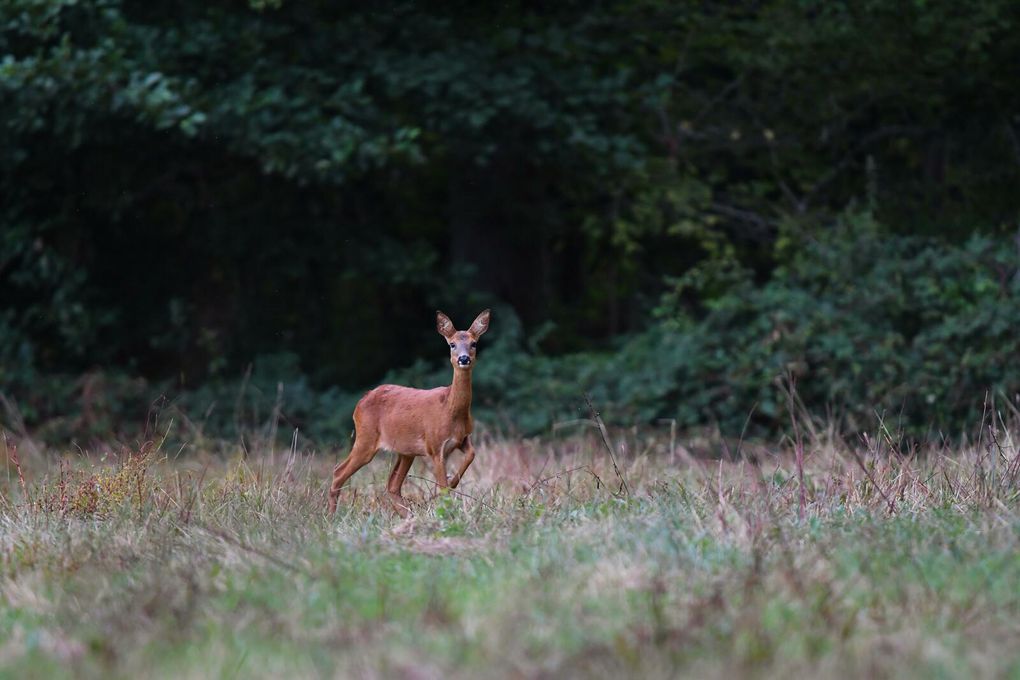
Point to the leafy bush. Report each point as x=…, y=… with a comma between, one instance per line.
x=864, y=322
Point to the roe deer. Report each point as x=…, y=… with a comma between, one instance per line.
x=412, y=422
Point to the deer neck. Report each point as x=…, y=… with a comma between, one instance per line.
x=459, y=401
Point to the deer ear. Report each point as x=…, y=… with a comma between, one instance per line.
x=444, y=325
x=481, y=324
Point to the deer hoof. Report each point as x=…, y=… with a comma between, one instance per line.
x=399, y=505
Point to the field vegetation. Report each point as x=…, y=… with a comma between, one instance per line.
x=697, y=555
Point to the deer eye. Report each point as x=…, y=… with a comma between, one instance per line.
x=453, y=346
x=474, y=344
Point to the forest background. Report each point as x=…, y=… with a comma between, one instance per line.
x=248, y=212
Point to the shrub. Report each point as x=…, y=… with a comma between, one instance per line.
x=865, y=322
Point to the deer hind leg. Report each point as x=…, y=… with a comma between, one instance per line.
x=400, y=469
x=359, y=457
x=469, y=456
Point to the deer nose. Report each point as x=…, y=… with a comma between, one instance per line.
x=463, y=360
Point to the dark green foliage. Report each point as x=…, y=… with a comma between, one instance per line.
x=190, y=188
x=867, y=324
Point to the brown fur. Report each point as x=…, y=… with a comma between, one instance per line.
x=412, y=422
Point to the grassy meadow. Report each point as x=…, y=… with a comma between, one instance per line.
x=713, y=560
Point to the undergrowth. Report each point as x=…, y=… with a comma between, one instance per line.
x=714, y=559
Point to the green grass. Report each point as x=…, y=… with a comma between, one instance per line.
x=905, y=567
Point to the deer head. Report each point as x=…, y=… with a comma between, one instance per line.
x=463, y=344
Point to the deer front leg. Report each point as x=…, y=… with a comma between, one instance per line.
x=469, y=456
x=438, y=458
